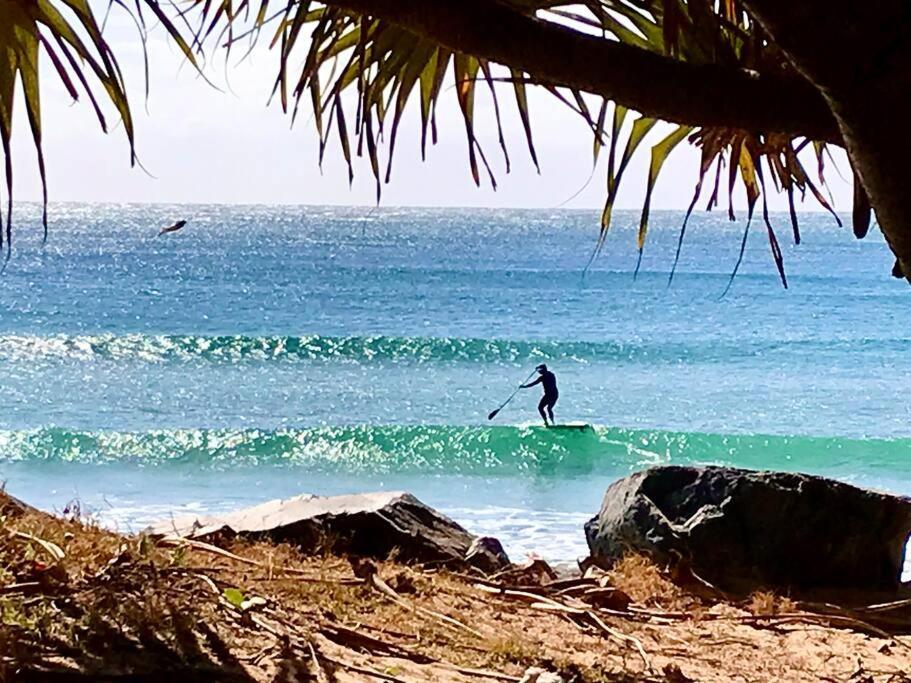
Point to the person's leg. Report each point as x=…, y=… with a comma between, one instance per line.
x=542, y=405
x=550, y=408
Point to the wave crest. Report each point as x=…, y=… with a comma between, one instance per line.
x=382, y=348
x=186, y=348
x=442, y=449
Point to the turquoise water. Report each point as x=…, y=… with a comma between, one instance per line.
x=264, y=352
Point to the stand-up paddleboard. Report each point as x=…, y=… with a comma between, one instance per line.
x=572, y=426
x=563, y=427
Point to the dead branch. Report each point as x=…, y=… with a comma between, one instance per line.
x=386, y=590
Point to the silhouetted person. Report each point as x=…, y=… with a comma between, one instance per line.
x=548, y=382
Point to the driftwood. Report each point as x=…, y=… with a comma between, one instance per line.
x=586, y=595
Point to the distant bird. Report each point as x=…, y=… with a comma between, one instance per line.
x=173, y=228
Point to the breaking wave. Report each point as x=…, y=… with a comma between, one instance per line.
x=443, y=449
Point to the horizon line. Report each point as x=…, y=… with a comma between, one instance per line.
x=384, y=207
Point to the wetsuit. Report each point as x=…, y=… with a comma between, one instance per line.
x=548, y=382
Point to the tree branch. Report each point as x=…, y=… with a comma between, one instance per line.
x=859, y=55
x=840, y=45
x=656, y=86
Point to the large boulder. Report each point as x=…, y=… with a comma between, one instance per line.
x=376, y=525
x=742, y=529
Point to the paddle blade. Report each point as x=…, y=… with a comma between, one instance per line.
x=493, y=414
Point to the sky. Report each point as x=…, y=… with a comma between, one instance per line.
x=200, y=143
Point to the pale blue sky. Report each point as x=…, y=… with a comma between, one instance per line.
x=203, y=145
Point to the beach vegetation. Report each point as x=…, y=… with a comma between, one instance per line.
x=112, y=606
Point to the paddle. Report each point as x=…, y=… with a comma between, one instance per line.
x=493, y=414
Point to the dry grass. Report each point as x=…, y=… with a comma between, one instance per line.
x=118, y=605
x=639, y=578
x=765, y=603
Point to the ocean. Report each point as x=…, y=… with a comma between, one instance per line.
x=264, y=352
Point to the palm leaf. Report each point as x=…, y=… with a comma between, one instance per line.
x=660, y=153
x=324, y=51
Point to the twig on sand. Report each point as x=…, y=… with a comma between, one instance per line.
x=807, y=617
x=622, y=637
x=210, y=584
x=386, y=590
x=482, y=673
x=178, y=541
x=300, y=575
x=24, y=587
x=321, y=676
x=343, y=635
x=283, y=636
x=547, y=604
x=354, y=668
x=885, y=606
x=347, y=637
x=544, y=597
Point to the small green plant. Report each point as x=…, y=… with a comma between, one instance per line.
x=234, y=596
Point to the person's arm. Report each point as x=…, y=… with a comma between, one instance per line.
x=531, y=384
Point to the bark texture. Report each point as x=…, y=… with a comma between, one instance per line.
x=858, y=55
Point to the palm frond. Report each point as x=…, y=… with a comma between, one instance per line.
x=361, y=73
x=69, y=33
x=386, y=64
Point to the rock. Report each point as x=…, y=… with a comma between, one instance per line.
x=742, y=529
x=487, y=554
x=377, y=525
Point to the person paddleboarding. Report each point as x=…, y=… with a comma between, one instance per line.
x=548, y=382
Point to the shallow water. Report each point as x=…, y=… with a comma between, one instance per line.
x=265, y=352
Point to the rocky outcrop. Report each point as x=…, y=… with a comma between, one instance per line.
x=376, y=525
x=742, y=529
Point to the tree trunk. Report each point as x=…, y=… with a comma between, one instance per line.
x=880, y=152
x=859, y=56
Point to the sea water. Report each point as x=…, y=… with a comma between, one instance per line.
x=264, y=352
